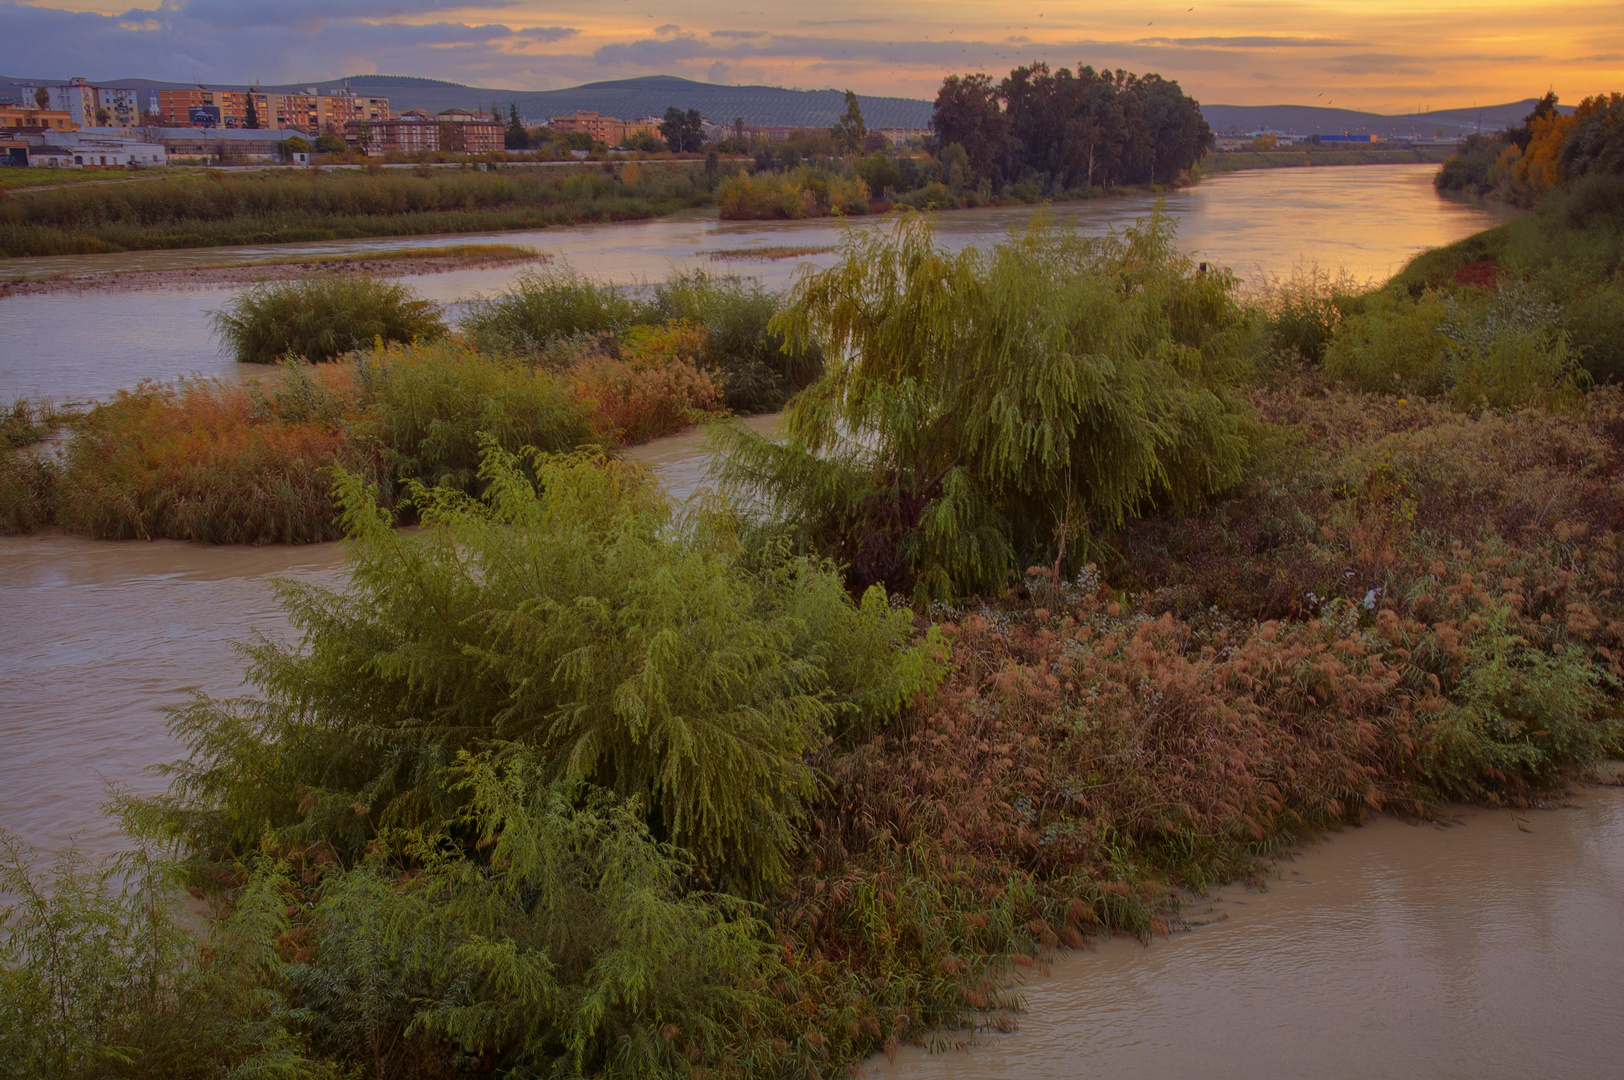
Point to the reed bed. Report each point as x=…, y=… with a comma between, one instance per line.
x=217, y=209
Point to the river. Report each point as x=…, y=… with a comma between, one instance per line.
x=1488, y=949
x=1479, y=950
x=1366, y=220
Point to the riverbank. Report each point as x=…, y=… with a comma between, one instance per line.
x=1240, y=160
x=270, y=206
x=396, y=263
x=1339, y=610
x=1496, y=938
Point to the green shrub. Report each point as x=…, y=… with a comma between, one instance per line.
x=572, y=947
x=1000, y=405
x=103, y=975
x=547, y=307
x=322, y=318
x=1595, y=324
x=759, y=369
x=427, y=408
x=1503, y=348
x=1306, y=310
x=570, y=614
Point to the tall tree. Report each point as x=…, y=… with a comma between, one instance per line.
x=250, y=116
x=967, y=112
x=683, y=132
x=849, y=131
x=516, y=137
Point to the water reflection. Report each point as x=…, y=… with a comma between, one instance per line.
x=1367, y=220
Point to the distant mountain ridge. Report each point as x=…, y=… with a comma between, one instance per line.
x=776, y=106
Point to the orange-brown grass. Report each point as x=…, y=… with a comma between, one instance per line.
x=655, y=386
x=1226, y=690
x=200, y=462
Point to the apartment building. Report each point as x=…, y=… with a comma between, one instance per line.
x=309, y=111
x=89, y=105
x=414, y=131
x=610, y=130
x=24, y=118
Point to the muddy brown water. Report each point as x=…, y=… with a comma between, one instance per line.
x=102, y=637
x=1490, y=949
x=74, y=347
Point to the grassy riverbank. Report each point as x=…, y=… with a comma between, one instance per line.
x=1122, y=583
x=1240, y=160
x=389, y=263
x=284, y=206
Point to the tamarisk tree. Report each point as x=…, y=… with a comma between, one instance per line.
x=987, y=407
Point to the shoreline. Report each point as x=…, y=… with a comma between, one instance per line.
x=407, y=262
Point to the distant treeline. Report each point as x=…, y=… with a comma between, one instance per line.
x=1069, y=131
x=1546, y=151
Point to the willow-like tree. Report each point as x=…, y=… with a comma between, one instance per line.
x=988, y=407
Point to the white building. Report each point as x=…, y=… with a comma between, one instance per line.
x=90, y=105
x=108, y=148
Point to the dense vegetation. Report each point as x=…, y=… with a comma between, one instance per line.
x=1060, y=131
x=279, y=207
x=1548, y=149
x=321, y=318
x=569, y=783
x=555, y=314
x=558, y=362
x=994, y=407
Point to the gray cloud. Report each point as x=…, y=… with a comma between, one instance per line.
x=549, y=33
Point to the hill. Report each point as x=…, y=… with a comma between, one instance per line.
x=1312, y=120
x=777, y=106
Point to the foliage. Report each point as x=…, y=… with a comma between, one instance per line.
x=100, y=975
x=1002, y=404
x=1596, y=142
x=1065, y=131
x=1503, y=349
x=570, y=614
x=849, y=131
x=759, y=369
x=799, y=193
x=1451, y=540
x=1565, y=255
x=1547, y=151
x=321, y=318
x=683, y=132
x=198, y=462
x=284, y=206
x=557, y=316
x=1307, y=310
x=546, y=307
x=654, y=388
x=428, y=409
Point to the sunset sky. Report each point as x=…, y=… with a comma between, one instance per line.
x=1382, y=55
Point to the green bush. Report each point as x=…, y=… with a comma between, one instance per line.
x=571, y=614
x=1003, y=405
x=760, y=370
x=102, y=974
x=323, y=317
x=286, y=206
x=428, y=407
x=571, y=947
x=547, y=307
x=1503, y=348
